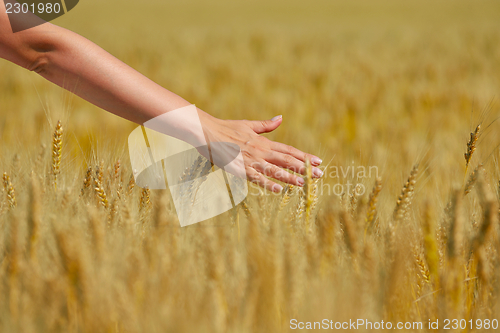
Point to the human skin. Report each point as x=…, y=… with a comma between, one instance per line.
x=80, y=66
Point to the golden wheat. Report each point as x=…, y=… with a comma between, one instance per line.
x=303, y=255
x=9, y=189
x=404, y=200
x=371, y=215
x=99, y=190
x=57, y=141
x=471, y=146
x=287, y=195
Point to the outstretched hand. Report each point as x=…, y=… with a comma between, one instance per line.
x=263, y=158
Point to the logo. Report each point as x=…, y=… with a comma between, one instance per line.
x=28, y=14
x=205, y=179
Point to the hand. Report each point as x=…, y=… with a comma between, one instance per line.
x=262, y=157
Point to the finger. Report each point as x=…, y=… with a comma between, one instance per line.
x=291, y=163
x=255, y=177
x=265, y=126
x=286, y=161
x=300, y=155
x=275, y=172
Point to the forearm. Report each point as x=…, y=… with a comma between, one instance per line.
x=80, y=66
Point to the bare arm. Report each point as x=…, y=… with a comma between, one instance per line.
x=78, y=65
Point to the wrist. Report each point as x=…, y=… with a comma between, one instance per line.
x=209, y=123
x=183, y=123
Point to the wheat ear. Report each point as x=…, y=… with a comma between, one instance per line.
x=471, y=146
x=9, y=188
x=353, y=199
x=57, y=141
x=472, y=179
x=315, y=194
x=145, y=200
x=87, y=181
x=131, y=185
x=117, y=171
x=287, y=195
x=249, y=215
x=99, y=189
x=404, y=200
x=371, y=214
x=421, y=263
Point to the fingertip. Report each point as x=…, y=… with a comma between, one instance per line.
x=265, y=126
x=277, y=188
x=316, y=161
x=317, y=173
x=280, y=117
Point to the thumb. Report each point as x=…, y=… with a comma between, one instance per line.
x=265, y=126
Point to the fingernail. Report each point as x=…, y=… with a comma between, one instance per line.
x=317, y=172
x=300, y=181
x=316, y=161
x=277, y=188
x=277, y=118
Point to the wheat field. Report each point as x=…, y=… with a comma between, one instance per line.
x=406, y=90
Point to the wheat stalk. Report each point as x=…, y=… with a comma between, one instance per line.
x=57, y=141
x=87, y=181
x=14, y=262
x=349, y=232
x=16, y=165
x=371, y=214
x=99, y=189
x=97, y=230
x=404, y=201
x=300, y=208
x=314, y=193
x=421, y=264
x=472, y=179
x=72, y=265
x=117, y=171
x=287, y=195
x=471, y=146
x=113, y=212
x=430, y=246
x=34, y=216
x=9, y=189
x=190, y=171
x=456, y=229
x=489, y=215
x=353, y=199
x=308, y=192
x=198, y=176
x=39, y=159
x=131, y=185
x=99, y=173
x=145, y=201
x=249, y=215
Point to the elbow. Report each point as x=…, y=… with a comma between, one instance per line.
x=25, y=57
x=38, y=63
x=33, y=51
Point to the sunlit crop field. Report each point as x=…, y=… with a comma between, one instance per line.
x=403, y=227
